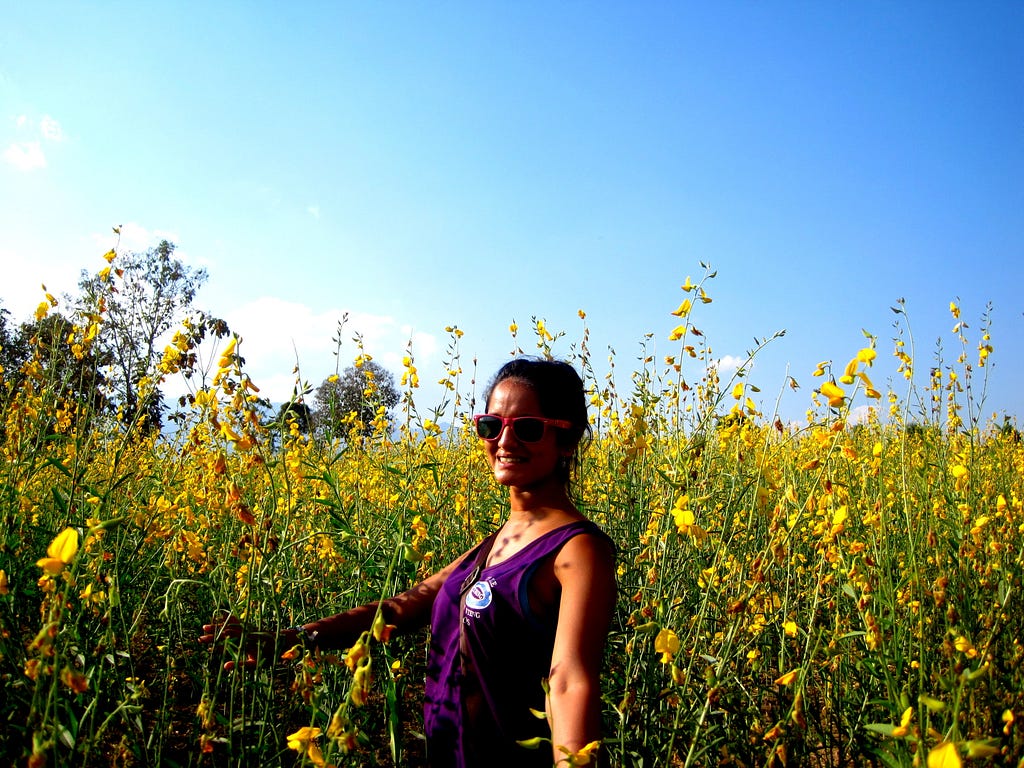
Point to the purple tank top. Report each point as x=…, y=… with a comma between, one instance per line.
x=478, y=699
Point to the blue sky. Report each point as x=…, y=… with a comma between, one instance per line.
x=427, y=165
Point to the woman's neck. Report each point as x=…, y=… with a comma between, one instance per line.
x=534, y=504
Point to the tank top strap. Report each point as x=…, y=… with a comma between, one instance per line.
x=555, y=538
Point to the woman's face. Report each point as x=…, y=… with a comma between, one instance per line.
x=513, y=462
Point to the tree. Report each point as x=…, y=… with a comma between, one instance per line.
x=298, y=412
x=353, y=399
x=279, y=426
x=14, y=349
x=152, y=292
x=65, y=376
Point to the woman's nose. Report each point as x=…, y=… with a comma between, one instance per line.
x=507, y=435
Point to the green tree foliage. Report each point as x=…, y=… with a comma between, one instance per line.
x=353, y=399
x=71, y=380
x=300, y=413
x=279, y=425
x=153, y=291
x=14, y=349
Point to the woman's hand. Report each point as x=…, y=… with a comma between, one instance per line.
x=255, y=645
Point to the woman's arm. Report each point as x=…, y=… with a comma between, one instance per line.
x=407, y=612
x=585, y=569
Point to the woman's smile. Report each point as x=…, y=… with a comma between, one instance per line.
x=514, y=462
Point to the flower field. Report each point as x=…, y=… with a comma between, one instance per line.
x=834, y=593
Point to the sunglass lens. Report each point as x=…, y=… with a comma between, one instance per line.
x=528, y=430
x=488, y=427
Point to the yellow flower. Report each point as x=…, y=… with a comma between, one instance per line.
x=61, y=552
x=867, y=355
x=3, y=582
x=677, y=333
x=581, y=756
x=904, y=727
x=32, y=669
x=954, y=310
x=684, y=308
x=382, y=630
x=683, y=518
x=789, y=627
x=850, y=372
x=362, y=679
x=667, y=644
x=944, y=756
x=357, y=653
x=678, y=675
x=687, y=286
x=226, y=355
x=301, y=739
x=205, y=712
x=834, y=394
x=965, y=646
x=110, y=255
x=788, y=678
x=74, y=681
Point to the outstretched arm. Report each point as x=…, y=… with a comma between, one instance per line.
x=407, y=611
x=585, y=569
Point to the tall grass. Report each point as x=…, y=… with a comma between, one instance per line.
x=831, y=594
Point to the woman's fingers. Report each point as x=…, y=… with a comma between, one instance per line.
x=232, y=628
x=228, y=627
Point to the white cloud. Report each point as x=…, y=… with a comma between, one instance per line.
x=279, y=336
x=51, y=129
x=133, y=237
x=861, y=414
x=28, y=155
x=314, y=211
x=136, y=238
x=27, y=269
x=729, y=364
x=25, y=155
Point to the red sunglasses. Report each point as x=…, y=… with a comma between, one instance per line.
x=527, y=429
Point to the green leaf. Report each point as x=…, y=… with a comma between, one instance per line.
x=976, y=673
x=65, y=736
x=933, y=704
x=886, y=729
x=394, y=718
x=533, y=743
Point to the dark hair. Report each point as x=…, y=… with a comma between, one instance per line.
x=561, y=395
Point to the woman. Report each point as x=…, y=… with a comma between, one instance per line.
x=532, y=602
